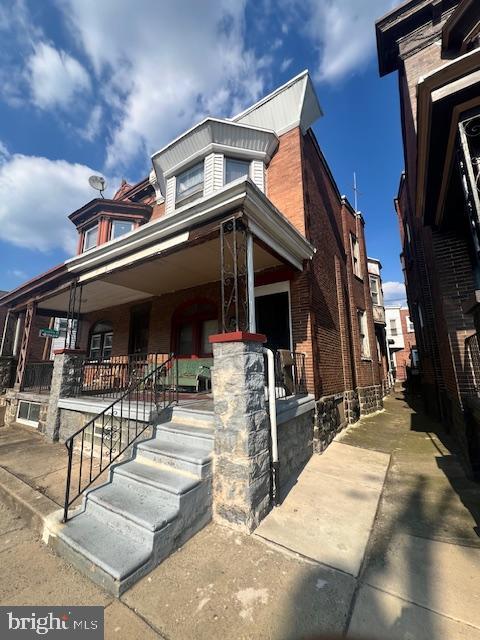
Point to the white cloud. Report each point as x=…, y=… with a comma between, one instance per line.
x=343, y=32
x=36, y=196
x=394, y=293
x=285, y=64
x=18, y=273
x=93, y=126
x=55, y=77
x=4, y=153
x=164, y=65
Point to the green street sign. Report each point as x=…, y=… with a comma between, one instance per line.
x=49, y=333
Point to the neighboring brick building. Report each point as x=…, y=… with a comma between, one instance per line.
x=434, y=46
x=401, y=341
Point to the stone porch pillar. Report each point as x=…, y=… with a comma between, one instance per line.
x=67, y=371
x=241, y=478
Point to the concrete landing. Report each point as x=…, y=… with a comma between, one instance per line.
x=329, y=513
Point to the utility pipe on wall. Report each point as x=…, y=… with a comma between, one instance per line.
x=272, y=410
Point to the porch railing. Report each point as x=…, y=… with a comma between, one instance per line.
x=110, y=378
x=105, y=438
x=37, y=377
x=290, y=375
x=472, y=351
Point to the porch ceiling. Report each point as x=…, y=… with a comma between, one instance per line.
x=189, y=267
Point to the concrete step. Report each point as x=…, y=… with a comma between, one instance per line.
x=160, y=477
x=191, y=458
x=192, y=416
x=144, y=507
x=116, y=553
x=189, y=435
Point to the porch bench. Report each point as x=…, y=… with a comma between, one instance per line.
x=192, y=372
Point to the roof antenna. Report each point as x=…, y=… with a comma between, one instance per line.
x=355, y=192
x=98, y=183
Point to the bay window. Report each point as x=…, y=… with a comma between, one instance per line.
x=235, y=169
x=189, y=183
x=90, y=238
x=120, y=228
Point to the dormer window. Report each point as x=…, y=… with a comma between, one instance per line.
x=189, y=183
x=235, y=169
x=120, y=228
x=90, y=238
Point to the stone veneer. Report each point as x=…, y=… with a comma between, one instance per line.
x=352, y=406
x=11, y=399
x=295, y=445
x=331, y=418
x=370, y=399
x=7, y=372
x=241, y=479
x=65, y=384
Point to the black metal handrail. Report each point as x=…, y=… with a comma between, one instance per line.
x=106, y=436
x=37, y=377
x=290, y=375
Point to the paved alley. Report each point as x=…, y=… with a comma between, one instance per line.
x=401, y=558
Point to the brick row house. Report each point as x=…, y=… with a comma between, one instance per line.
x=230, y=290
x=434, y=47
x=402, y=343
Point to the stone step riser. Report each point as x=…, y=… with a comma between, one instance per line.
x=193, y=418
x=196, y=468
x=185, y=439
x=121, y=523
x=168, y=498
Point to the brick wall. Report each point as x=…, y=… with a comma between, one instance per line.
x=402, y=357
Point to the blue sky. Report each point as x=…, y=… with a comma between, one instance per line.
x=96, y=86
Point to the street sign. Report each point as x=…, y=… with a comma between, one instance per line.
x=49, y=333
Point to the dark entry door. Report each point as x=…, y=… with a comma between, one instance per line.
x=139, y=329
x=273, y=319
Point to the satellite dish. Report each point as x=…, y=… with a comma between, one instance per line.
x=98, y=183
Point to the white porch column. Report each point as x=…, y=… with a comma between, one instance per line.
x=252, y=324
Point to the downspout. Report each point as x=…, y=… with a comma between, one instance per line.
x=272, y=410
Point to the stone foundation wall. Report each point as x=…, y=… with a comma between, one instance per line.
x=352, y=406
x=7, y=372
x=331, y=418
x=295, y=445
x=10, y=401
x=370, y=399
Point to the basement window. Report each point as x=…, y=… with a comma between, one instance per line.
x=28, y=413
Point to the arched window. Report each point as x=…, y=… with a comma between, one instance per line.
x=192, y=324
x=100, y=343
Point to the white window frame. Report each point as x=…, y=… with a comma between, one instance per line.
x=363, y=335
x=410, y=325
x=86, y=233
x=196, y=190
x=118, y=220
x=232, y=159
x=378, y=290
x=355, y=252
x=393, y=330
x=30, y=423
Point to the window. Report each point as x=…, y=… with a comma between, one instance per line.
x=393, y=327
x=28, y=412
x=363, y=332
x=190, y=182
x=410, y=327
x=235, y=169
x=101, y=337
x=375, y=290
x=90, y=238
x=355, y=249
x=192, y=324
x=120, y=228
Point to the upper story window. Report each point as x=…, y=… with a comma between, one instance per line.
x=90, y=238
x=189, y=183
x=355, y=249
x=235, y=169
x=393, y=327
x=375, y=290
x=410, y=327
x=363, y=332
x=120, y=228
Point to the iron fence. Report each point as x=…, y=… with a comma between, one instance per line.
x=472, y=350
x=290, y=376
x=106, y=437
x=37, y=377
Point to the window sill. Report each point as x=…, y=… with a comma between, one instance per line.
x=359, y=278
x=366, y=359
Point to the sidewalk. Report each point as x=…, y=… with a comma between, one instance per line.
x=397, y=557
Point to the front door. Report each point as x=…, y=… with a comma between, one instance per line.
x=139, y=329
x=272, y=312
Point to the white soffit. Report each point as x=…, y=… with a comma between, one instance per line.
x=291, y=105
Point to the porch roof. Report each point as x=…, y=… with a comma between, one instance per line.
x=180, y=251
